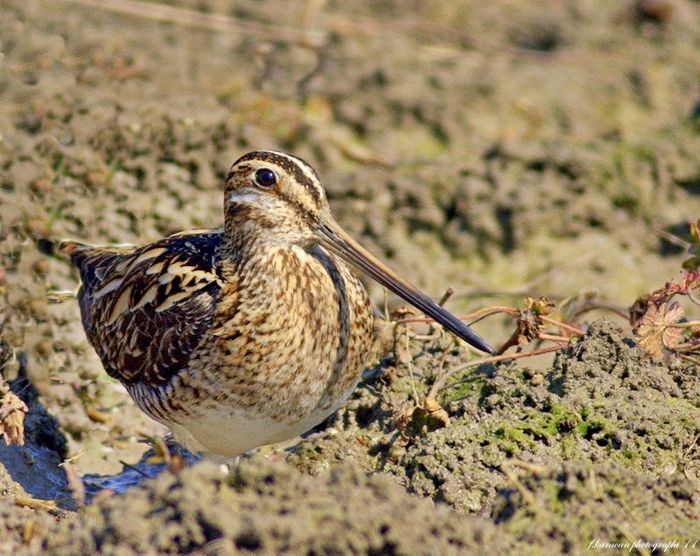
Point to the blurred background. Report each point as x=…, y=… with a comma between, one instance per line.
x=501, y=148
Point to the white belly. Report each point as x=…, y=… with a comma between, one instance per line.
x=229, y=432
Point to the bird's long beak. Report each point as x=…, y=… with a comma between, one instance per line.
x=339, y=242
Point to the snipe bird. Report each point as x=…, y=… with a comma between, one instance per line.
x=247, y=335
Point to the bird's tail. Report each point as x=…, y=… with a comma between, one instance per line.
x=70, y=247
x=75, y=250
x=89, y=259
x=77, y=253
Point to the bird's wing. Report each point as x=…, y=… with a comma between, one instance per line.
x=145, y=310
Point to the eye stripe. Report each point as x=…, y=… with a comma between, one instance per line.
x=300, y=170
x=305, y=167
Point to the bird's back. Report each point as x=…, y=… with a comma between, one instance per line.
x=146, y=309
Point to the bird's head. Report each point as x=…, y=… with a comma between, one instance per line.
x=278, y=194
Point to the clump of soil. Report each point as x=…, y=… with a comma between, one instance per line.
x=608, y=505
x=641, y=415
x=265, y=508
x=22, y=528
x=603, y=402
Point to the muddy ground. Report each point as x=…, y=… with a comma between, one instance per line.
x=499, y=148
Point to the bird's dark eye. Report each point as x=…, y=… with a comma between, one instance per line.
x=265, y=177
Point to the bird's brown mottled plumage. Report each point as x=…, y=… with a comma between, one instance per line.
x=145, y=310
x=246, y=335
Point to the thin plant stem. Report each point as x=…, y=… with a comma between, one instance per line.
x=440, y=383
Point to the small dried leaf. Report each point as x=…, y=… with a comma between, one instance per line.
x=639, y=308
x=436, y=411
x=539, y=306
x=96, y=415
x=653, y=329
x=419, y=421
x=690, y=281
x=12, y=412
x=528, y=327
x=656, y=298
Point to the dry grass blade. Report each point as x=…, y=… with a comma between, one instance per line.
x=440, y=383
x=563, y=325
x=193, y=18
x=75, y=484
x=37, y=504
x=507, y=468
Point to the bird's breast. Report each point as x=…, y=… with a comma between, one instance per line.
x=291, y=335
